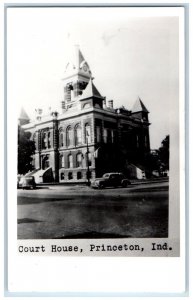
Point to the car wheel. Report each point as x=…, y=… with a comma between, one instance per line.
x=101, y=186
x=124, y=184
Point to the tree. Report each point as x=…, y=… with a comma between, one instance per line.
x=164, y=153
x=26, y=148
x=152, y=163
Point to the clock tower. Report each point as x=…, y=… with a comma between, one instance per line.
x=77, y=75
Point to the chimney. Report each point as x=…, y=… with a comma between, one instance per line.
x=39, y=112
x=104, y=102
x=110, y=103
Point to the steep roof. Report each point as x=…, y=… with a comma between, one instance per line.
x=80, y=56
x=139, y=106
x=23, y=115
x=76, y=62
x=90, y=91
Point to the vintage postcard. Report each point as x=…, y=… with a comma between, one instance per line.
x=95, y=118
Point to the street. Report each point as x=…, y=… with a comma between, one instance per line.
x=57, y=212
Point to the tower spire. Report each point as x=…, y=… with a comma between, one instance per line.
x=23, y=117
x=77, y=76
x=139, y=106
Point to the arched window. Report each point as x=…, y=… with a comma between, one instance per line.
x=89, y=158
x=45, y=162
x=61, y=138
x=79, y=160
x=105, y=135
x=87, y=133
x=44, y=140
x=69, y=136
x=61, y=161
x=49, y=140
x=70, y=161
x=98, y=134
x=87, y=105
x=62, y=176
x=78, y=135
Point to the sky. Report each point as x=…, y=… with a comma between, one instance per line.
x=131, y=52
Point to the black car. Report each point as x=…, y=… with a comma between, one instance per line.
x=28, y=182
x=110, y=180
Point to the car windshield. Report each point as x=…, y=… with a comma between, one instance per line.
x=106, y=176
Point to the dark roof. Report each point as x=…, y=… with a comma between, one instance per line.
x=90, y=91
x=139, y=106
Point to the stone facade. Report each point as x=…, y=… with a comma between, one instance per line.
x=89, y=137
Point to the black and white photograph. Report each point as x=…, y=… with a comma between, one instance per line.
x=95, y=95
x=95, y=155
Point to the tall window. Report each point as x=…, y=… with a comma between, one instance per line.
x=35, y=140
x=109, y=137
x=49, y=140
x=78, y=135
x=45, y=162
x=61, y=139
x=89, y=159
x=98, y=134
x=79, y=160
x=69, y=137
x=88, y=133
x=70, y=161
x=105, y=135
x=112, y=136
x=61, y=161
x=44, y=140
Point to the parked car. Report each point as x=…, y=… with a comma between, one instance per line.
x=28, y=182
x=110, y=180
x=19, y=181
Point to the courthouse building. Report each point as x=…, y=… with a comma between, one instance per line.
x=88, y=137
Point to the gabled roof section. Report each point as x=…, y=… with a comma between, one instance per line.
x=90, y=91
x=76, y=62
x=23, y=115
x=139, y=106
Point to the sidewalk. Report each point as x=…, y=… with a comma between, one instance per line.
x=75, y=186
